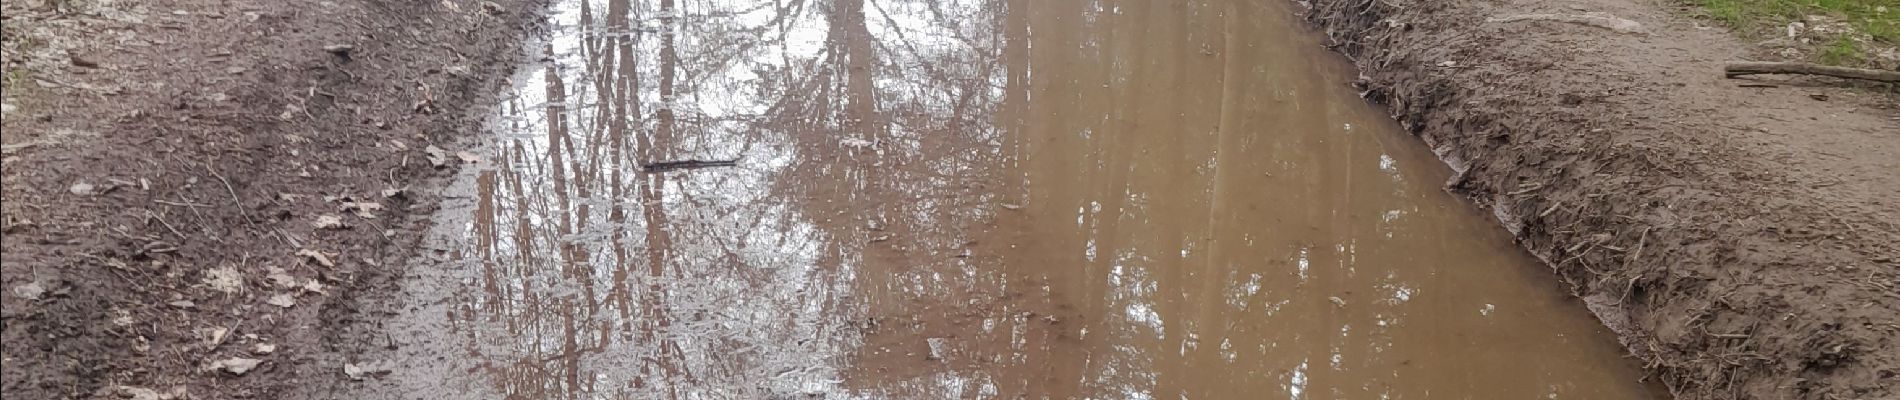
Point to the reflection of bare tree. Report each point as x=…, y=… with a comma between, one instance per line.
x=897, y=150
x=884, y=205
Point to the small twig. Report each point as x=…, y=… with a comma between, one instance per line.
x=1627, y=289
x=174, y=203
x=294, y=243
x=380, y=232
x=1553, y=208
x=1637, y=252
x=1843, y=222
x=201, y=220
x=234, y=196
x=168, y=225
x=239, y=202
x=1527, y=189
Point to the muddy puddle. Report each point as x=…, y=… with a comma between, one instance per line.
x=963, y=199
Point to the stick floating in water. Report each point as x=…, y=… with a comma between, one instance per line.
x=663, y=166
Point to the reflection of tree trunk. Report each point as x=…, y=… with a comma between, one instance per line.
x=606, y=127
x=848, y=18
x=485, y=236
x=523, y=242
x=590, y=36
x=626, y=104
x=524, y=228
x=557, y=136
x=570, y=347
x=1011, y=116
x=557, y=160
x=652, y=196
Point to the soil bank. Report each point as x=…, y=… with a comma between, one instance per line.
x=1739, y=235
x=190, y=185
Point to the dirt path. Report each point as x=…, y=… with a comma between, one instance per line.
x=1742, y=238
x=193, y=183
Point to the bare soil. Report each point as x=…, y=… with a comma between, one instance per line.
x=1740, y=235
x=197, y=181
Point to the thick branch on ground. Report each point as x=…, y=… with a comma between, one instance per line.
x=1735, y=69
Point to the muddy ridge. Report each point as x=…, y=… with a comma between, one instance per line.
x=1741, y=241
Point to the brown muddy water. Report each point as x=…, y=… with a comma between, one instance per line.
x=994, y=199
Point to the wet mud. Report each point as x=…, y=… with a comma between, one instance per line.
x=1741, y=241
x=170, y=169
x=982, y=199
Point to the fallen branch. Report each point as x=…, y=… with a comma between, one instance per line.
x=664, y=166
x=1740, y=68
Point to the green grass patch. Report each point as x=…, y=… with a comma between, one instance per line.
x=1879, y=19
x=1865, y=15
x=1842, y=51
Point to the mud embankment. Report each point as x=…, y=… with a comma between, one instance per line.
x=192, y=189
x=1708, y=236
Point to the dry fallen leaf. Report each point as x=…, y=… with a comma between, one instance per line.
x=281, y=278
x=313, y=286
x=135, y=393
x=363, y=209
x=328, y=222
x=224, y=279
x=124, y=318
x=317, y=256
x=177, y=393
x=213, y=336
x=285, y=300
x=30, y=290
x=437, y=156
x=236, y=365
x=360, y=371
x=263, y=348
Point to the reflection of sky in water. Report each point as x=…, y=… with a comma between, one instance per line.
x=898, y=222
x=749, y=298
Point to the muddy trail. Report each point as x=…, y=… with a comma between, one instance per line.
x=1014, y=199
